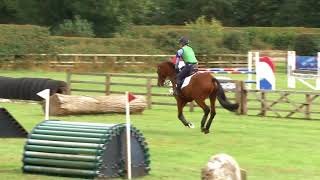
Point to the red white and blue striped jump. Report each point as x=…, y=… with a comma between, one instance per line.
x=224, y=69
x=230, y=72
x=250, y=81
x=246, y=81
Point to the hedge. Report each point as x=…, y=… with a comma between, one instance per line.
x=24, y=39
x=307, y=44
x=119, y=45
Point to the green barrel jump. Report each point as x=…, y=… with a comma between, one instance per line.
x=89, y=150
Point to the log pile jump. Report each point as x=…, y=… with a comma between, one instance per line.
x=62, y=105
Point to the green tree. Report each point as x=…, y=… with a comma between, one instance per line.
x=107, y=16
x=289, y=14
x=110, y=16
x=256, y=12
x=8, y=11
x=219, y=9
x=311, y=13
x=182, y=11
x=299, y=13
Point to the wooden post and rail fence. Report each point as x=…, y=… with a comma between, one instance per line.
x=279, y=103
x=76, y=61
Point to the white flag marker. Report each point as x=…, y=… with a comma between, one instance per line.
x=45, y=94
x=129, y=97
x=128, y=135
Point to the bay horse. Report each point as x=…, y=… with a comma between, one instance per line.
x=202, y=86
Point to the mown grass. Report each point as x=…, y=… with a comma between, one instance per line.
x=294, y=100
x=268, y=148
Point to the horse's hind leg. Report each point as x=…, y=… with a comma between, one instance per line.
x=206, y=111
x=213, y=112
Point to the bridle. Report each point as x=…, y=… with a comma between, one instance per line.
x=167, y=81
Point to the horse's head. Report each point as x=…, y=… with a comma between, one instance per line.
x=165, y=70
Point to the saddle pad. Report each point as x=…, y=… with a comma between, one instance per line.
x=187, y=81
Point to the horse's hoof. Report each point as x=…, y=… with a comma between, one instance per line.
x=203, y=129
x=191, y=125
x=206, y=131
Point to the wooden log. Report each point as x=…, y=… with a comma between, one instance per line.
x=61, y=105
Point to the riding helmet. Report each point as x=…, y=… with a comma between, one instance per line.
x=183, y=40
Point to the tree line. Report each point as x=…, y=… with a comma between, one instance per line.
x=106, y=17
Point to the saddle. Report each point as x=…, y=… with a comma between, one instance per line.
x=195, y=70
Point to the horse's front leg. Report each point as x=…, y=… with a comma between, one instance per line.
x=180, y=105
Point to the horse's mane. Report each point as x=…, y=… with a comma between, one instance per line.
x=170, y=64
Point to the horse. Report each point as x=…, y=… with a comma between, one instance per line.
x=202, y=86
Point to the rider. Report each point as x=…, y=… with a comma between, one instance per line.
x=186, y=54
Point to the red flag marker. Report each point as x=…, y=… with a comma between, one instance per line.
x=131, y=97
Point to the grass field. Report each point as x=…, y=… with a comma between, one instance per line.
x=268, y=148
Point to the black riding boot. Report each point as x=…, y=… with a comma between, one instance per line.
x=177, y=90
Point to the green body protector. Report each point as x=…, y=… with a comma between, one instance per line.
x=188, y=55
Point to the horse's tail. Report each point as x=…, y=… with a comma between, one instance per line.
x=223, y=99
